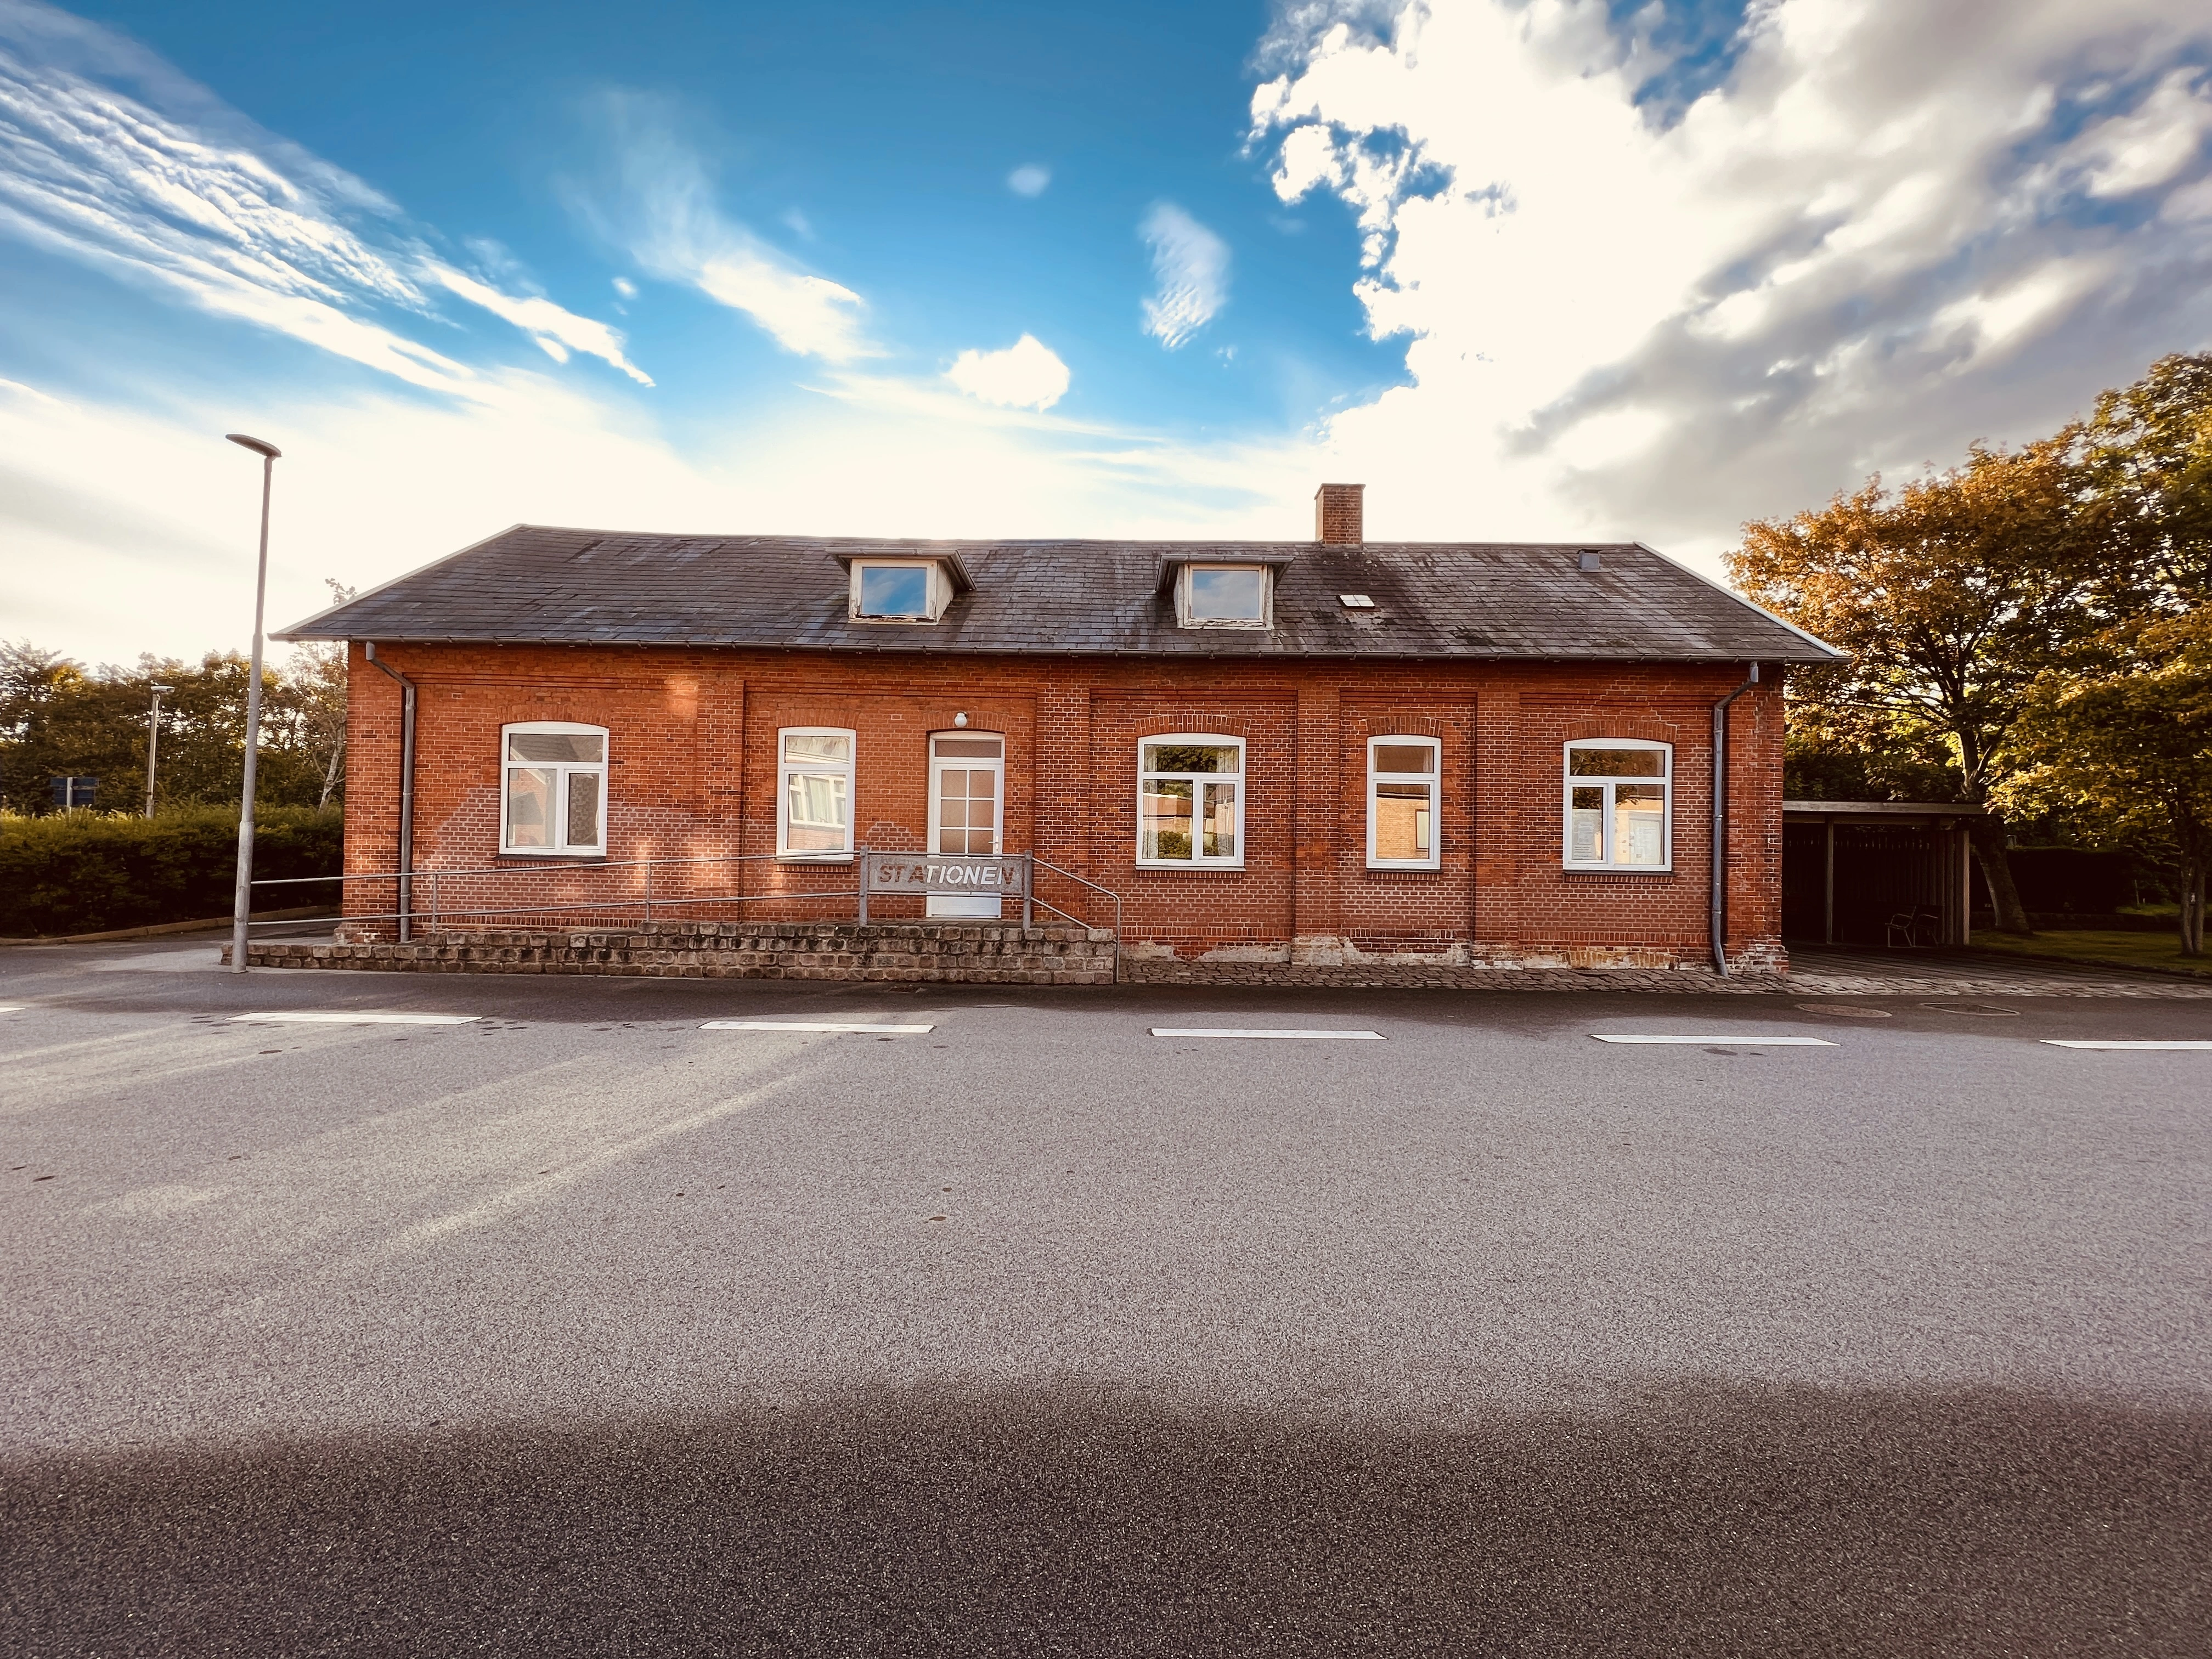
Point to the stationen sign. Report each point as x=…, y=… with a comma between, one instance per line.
x=919, y=875
x=922, y=873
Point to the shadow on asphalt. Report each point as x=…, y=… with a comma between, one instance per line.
x=1705, y=1520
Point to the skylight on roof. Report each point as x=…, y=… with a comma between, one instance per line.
x=1355, y=601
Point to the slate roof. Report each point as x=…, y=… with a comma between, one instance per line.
x=536, y=584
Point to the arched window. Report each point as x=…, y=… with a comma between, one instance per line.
x=1619, y=805
x=1401, y=802
x=553, y=796
x=1190, y=801
x=814, y=792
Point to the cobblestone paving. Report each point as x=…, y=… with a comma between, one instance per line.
x=1822, y=973
x=1154, y=972
x=1851, y=972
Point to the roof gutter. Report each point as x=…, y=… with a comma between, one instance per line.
x=406, y=905
x=1720, y=822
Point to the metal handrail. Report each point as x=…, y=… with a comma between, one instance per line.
x=567, y=864
x=554, y=909
x=1095, y=887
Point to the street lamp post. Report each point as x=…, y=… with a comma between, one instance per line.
x=242, y=905
x=154, y=741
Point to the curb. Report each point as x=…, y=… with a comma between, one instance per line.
x=211, y=924
x=2110, y=965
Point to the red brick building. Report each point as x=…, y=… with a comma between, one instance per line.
x=1327, y=752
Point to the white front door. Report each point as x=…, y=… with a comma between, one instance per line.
x=967, y=808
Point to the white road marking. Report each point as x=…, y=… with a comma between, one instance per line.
x=2072, y=1043
x=314, y=1017
x=1718, y=1038
x=1228, y=1031
x=813, y=1025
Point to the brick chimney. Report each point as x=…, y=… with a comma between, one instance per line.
x=1338, y=517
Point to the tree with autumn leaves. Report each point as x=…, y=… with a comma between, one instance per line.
x=2023, y=630
x=2130, y=744
x=2122, y=734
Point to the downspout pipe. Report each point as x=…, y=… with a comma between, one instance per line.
x=1720, y=821
x=406, y=905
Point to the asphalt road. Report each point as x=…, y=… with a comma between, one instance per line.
x=579, y=1329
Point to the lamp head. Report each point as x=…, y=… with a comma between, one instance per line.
x=267, y=451
x=161, y=690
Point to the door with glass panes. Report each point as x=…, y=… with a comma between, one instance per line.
x=967, y=808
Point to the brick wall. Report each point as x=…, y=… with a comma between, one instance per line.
x=692, y=775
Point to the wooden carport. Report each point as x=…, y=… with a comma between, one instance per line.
x=1850, y=868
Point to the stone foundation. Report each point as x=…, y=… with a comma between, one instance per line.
x=1400, y=973
x=975, y=953
x=1321, y=959
x=997, y=953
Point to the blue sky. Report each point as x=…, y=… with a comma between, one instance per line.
x=871, y=144
x=1528, y=268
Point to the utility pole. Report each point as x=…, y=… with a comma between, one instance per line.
x=154, y=741
x=242, y=905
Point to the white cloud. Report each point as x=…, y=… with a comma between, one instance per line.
x=626, y=288
x=1027, y=374
x=170, y=569
x=660, y=206
x=2006, y=316
x=558, y=332
x=810, y=315
x=90, y=173
x=1029, y=180
x=1876, y=237
x=2153, y=143
x=1190, y=265
x=202, y=206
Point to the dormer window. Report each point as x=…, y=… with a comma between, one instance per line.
x=1225, y=595
x=894, y=590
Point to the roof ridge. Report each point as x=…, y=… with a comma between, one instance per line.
x=1436, y=600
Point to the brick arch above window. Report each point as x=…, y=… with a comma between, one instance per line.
x=1405, y=723
x=553, y=783
x=1644, y=731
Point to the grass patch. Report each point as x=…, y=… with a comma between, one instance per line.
x=2107, y=950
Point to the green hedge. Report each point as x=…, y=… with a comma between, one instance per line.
x=81, y=872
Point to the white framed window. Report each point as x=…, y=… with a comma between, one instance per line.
x=814, y=792
x=1619, y=805
x=900, y=590
x=553, y=793
x=1190, y=801
x=1225, y=595
x=1402, y=780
